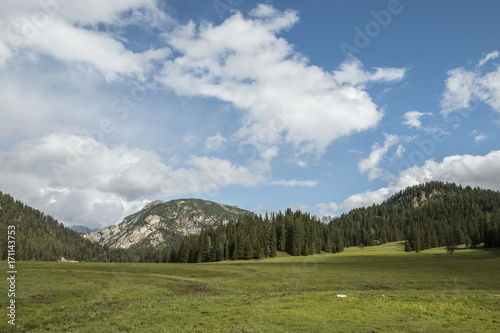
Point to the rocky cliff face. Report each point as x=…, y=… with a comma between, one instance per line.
x=160, y=224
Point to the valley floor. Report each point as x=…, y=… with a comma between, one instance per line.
x=387, y=289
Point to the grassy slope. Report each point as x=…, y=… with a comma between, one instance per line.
x=387, y=288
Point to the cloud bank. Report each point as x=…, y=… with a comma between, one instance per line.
x=88, y=182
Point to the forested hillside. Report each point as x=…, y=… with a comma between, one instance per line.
x=427, y=215
x=41, y=237
x=254, y=237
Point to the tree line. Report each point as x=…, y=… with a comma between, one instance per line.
x=41, y=237
x=255, y=237
x=424, y=216
x=428, y=215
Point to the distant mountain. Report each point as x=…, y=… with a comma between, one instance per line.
x=81, y=229
x=161, y=224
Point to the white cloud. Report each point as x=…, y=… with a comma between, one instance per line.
x=355, y=151
x=460, y=89
x=367, y=198
x=328, y=209
x=370, y=164
x=285, y=100
x=399, y=152
x=488, y=57
x=476, y=171
x=68, y=173
x=351, y=73
x=215, y=173
x=466, y=86
x=294, y=182
x=480, y=137
x=103, y=52
x=190, y=140
x=68, y=32
x=489, y=89
x=412, y=118
x=215, y=143
x=77, y=12
x=470, y=170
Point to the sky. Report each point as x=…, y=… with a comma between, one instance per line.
x=322, y=106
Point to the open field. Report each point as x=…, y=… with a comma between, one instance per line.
x=388, y=290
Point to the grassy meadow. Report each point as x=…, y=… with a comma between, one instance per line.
x=388, y=290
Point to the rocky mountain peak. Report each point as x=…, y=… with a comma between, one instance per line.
x=153, y=203
x=160, y=224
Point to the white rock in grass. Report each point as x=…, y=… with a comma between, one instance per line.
x=341, y=296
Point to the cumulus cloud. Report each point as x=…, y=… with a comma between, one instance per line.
x=215, y=143
x=475, y=171
x=351, y=73
x=69, y=173
x=465, y=86
x=77, y=12
x=68, y=32
x=371, y=163
x=242, y=61
x=481, y=171
x=412, y=118
x=480, y=137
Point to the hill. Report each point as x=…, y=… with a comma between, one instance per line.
x=41, y=237
x=192, y=230
x=161, y=224
x=427, y=215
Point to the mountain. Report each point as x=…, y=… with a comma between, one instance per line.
x=81, y=229
x=161, y=224
x=427, y=215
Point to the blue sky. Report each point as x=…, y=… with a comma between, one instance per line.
x=321, y=106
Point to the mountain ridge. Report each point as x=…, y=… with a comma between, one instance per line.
x=160, y=224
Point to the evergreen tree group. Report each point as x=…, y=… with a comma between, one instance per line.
x=426, y=216
x=255, y=237
x=41, y=237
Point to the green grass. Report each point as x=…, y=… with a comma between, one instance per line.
x=388, y=290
